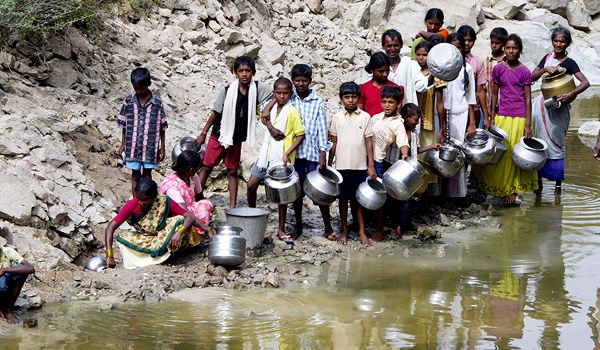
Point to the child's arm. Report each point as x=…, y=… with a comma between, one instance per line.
x=483, y=105
x=265, y=117
x=122, y=147
x=202, y=136
x=494, y=103
x=371, y=167
x=161, y=149
x=333, y=149
x=297, y=142
x=528, y=133
x=427, y=148
x=472, y=128
x=404, y=152
x=439, y=99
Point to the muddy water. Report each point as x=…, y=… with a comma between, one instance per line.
x=531, y=284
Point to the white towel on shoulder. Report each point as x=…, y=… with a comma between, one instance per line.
x=228, y=115
x=272, y=151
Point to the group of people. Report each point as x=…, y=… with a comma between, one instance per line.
x=400, y=112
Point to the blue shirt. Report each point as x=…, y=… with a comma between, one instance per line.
x=312, y=110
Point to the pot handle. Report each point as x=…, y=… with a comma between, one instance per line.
x=560, y=70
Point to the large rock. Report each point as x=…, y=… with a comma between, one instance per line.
x=578, y=15
x=555, y=6
x=271, y=52
x=593, y=6
x=588, y=133
x=60, y=47
x=509, y=8
x=331, y=9
x=62, y=74
x=17, y=200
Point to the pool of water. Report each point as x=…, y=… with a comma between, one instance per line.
x=533, y=284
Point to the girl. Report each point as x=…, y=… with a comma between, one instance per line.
x=434, y=19
x=512, y=80
x=370, y=92
x=551, y=125
x=426, y=99
x=457, y=113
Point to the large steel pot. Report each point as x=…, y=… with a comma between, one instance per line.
x=479, y=149
x=441, y=167
x=227, y=247
x=404, y=178
x=371, y=194
x=252, y=221
x=282, y=184
x=445, y=61
x=322, y=186
x=186, y=143
x=500, y=137
x=530, y=154
x=557, y=84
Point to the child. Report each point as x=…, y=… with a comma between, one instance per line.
x=480, y=109
x=312, y=153
x=370, y=92
x=512, y=80
x=388, y=129
x=434, y=20
x=353, y=152
x=459, y=98
x=287, y=121
x=143, y=122
x=13, y=274
x=405, y=72
x=233, y=121
x=426, y=99
x=498, y=37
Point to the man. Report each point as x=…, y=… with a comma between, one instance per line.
x=13, y=273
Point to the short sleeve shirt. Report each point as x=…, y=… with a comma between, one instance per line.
x=293, y=128
x=195, y=185
x=351, y=129
x=570, y=64
x=511, y=83
x=387, y=131
x=9, y=257
x=370, y=96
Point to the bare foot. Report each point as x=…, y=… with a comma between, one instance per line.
x=510, y=199
x=10, y=317
x=343, y=239
x=379, y=236
x=398, y=232
x=285, y=237
x=366, y=241
x=330, y=236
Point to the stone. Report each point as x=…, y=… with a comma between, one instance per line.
x=181, y=5
x=170, y=36
x=578, y=15
x=62, y=74
x=51, y=156
x=509, y=8
x=271, y=52
x=444, y=220
x=588, y=132
x=195, y=37
x=214, y=26
x=252, y=50
x=59, y=47
x=332, y=9
x=166, y=13
x=593, y=6
x=220, y=271
x=235, y=51
x=314, y=6
x=17, y=200
x=232, y=36
x=555, y=6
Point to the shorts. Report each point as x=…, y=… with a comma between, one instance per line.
x=303, y=167
x=352, y=179
x=136, y=166
x=7, y=279
x=260, y=173
x=215, y=153
x=379, y=169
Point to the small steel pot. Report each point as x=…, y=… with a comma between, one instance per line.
x=322, y=186
x=530, y=154
x=96, y=263
x=371, y=194
x=186, y=143
x=500, y=137
x=448, y=153
x=404, y=178
x=441, y=167
x=282, y=184
x=227, y=247
x=479, y=149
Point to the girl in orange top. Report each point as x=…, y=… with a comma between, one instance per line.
x=434, y=20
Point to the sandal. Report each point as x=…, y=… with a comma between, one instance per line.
x=286, y=238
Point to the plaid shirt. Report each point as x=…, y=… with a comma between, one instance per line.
x=142, y=125
x=312, y=110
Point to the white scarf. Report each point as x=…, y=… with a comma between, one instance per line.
x=228, y=115
x=272, y=151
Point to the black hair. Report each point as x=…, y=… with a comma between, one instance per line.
x=499, y=33
x=392, y=33
x=466, y=30
x=186, y=161
x=434, y=13
x=146, y=187
x=460, y=38
x=517, y=40
x=281, y=81
x=424, y=45
x=244, y=60
x=377, y=60
x=561, y=31
x=435, y=39
x=409, y=109
x=141, y=77
x=301, y=70
x=392, y=92
x=348, y=88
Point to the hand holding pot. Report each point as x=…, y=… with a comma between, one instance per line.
x=527, y=132
x=110, y=262
x=372, y=173
x=471, y=130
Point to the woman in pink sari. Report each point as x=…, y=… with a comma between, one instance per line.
x=184, y=187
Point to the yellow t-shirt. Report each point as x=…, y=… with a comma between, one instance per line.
x=9, y=257
x=293, y=128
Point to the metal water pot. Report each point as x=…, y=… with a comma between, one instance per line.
x=530, y=154
x=227, y=247
x=441, y=167
x=479, y=149
x=322, y=186
x=186, y=143
x=557, y=84
x=500, y=137
x=252, y=221
x=371, y=194
x=282, y=184
x=445, y=61
x=404, y=178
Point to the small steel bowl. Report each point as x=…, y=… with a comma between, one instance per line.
x=96, y=263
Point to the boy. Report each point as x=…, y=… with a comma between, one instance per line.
x=13, y=274
x=143, y=121
x=498, y=37
x=312, y=153
x=287, y=121
x=233, y=121
x=480, y=110
x=353, y=150
x=388, y=129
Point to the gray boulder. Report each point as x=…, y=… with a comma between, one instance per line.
x=509, y=8
x=579, y=16
x=17, y=200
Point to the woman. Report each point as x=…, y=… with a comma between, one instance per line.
x=551, y=125
x=160, y=226
x=183, y=187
